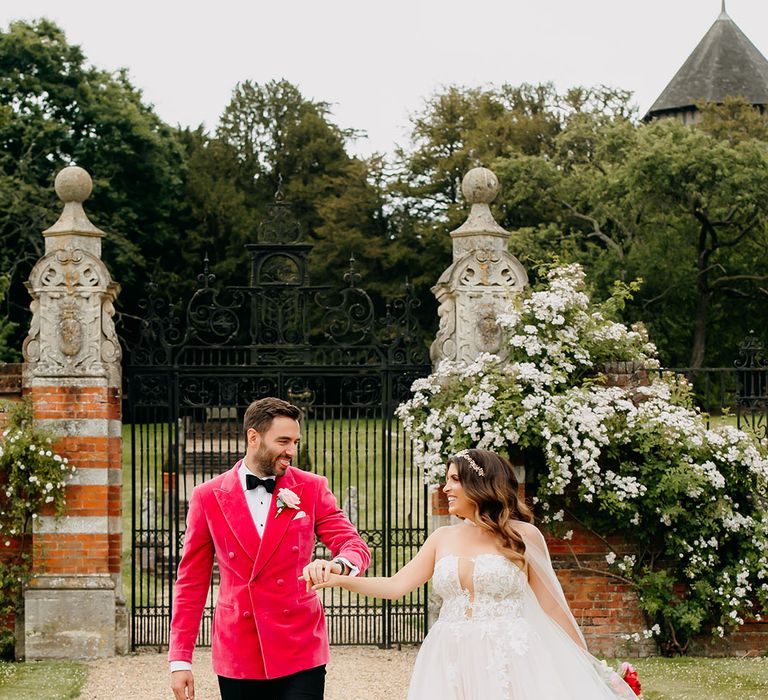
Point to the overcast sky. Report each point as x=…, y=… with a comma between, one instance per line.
x=376, y=63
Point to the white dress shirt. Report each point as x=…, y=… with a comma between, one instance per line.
x=258, y=501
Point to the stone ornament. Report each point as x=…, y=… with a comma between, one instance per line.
x=73, y=186
x=72, y=333
x=481, y=281
x=488, y=268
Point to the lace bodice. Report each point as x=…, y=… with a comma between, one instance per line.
x=497, y=590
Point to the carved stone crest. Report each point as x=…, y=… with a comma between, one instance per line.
x=70, y=330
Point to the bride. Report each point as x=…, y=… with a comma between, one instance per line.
x=505, y=631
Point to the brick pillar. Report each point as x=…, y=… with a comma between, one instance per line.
x=74, y=607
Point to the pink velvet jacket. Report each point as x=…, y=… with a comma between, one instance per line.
x=265, y=624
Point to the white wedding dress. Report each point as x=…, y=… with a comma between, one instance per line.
x=493, y=641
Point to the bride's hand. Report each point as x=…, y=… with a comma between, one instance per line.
x=318, y=574
x=332, y=581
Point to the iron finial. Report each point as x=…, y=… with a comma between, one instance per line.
x=351, y=277
x=279, y=194
x=205, y=277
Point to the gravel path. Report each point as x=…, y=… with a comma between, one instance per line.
x=354, y=672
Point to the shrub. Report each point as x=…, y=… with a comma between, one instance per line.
x=636, y=461
x=32, y=480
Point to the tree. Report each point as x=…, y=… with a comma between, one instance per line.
x=271, y=137
x=713, y=194
x=675, y=206
x=734, y=120
x=8, y=352
x=55, y=110
x=460, y=128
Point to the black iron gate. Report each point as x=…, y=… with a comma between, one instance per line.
x=735, y=395
x=190, y=373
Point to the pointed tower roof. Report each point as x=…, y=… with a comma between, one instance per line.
x=724, y=64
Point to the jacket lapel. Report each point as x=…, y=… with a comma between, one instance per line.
x=276, y=525
x=234, y=508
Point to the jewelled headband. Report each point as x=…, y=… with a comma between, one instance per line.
x=464, y=454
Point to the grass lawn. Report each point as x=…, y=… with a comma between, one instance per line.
x=52, y=680
x=702, y=679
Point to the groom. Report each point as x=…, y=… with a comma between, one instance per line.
x=260, y=520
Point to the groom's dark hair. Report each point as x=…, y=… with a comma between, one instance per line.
x=260, y=413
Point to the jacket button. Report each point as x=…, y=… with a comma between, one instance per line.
x=294, y=549
x=247, y=613
x=231, y=555
x=280, y=582
x=286, y=612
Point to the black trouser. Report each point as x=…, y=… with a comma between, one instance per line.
x=304, y=685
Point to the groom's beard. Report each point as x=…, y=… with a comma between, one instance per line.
x=268, y=462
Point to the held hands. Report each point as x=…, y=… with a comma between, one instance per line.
x=321, y=573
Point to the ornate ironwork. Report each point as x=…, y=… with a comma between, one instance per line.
x=276, y=322
x=351, y=320
x=751, y=353
x=193, y=368
x=738, y=393
x=400, y=330
x=280, y=226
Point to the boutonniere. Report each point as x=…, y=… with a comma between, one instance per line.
x=286, y=499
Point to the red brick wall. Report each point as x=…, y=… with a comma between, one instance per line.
x=604, y=606
x=751, y=639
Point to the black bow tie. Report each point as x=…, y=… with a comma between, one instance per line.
x=252, y=481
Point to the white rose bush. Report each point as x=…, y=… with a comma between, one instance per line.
x=638, y=461
x=32, y=481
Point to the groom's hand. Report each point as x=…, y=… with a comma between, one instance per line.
x=183, y=685
x=319, y=571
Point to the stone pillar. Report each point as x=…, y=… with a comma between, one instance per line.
x=471, y=293
x=74, y=606
x=476, y=287
x=481, y=280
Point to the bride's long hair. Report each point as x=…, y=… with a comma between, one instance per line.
x=494, y=494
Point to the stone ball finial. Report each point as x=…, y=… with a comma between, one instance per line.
x=480, y=186
x=73, y=184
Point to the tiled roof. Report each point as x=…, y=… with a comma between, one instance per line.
x=724, y=64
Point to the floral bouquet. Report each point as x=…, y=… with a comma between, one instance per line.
x=629, y=674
